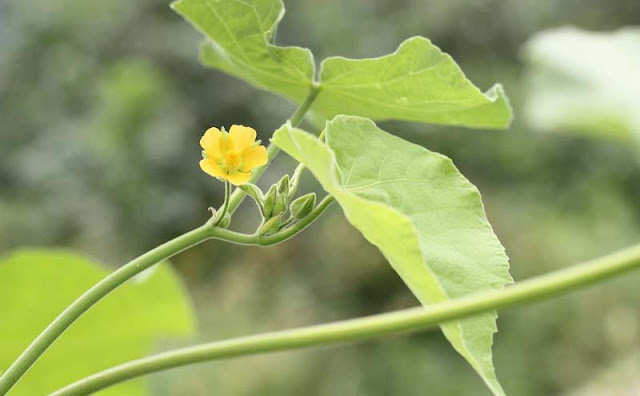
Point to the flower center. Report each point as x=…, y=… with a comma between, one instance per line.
x=231, y=159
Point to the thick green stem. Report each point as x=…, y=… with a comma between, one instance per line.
x=356, y=329
x=129, y=270
x=92, y=296
x=108, y=284
x=272, y=150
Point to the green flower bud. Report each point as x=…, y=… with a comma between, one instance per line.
x=280, y=204
x=283, y=186
x=270, y=226
x=268, y=202
x=302, y=206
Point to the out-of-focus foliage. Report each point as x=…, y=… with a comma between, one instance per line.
x=72, y=176
x=621, y=379
x=585, y=81
x=36, y=285
x=422, y=214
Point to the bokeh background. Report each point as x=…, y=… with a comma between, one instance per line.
x=102, y=104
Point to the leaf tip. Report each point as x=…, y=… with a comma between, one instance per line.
x=175, y=5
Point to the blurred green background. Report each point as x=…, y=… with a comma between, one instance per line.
x=101, y=108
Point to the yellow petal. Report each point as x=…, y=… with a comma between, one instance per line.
x=238, y=178
x=241, y=137
x=254, y=157
x=212, y=168
x=211, y=142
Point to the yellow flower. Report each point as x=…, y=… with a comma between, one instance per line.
x=231, y=156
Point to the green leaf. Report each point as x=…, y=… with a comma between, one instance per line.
x=416, y=83
x=240, y=42
x=585, y=82
x=253, y=191
x=269, y=202
x=423, y=215
x=36, y=285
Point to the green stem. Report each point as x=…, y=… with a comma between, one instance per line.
x=225, y=205
x=93, y=295
x=280, y=236
x=407, y=320
x=299, y=114
x=297, y=227
x=126, y=272
x=272, y=150
x=108, y=284
x=131, y=269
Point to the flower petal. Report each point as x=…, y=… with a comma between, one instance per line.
x=254, y=157
x=212, y=168
x=211, y=142
x=241, y=137
x=238, y=178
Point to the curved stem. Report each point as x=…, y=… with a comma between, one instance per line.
x=272, y=150
x=93, y=295
x=407, y=320
x=108, y=284
x=126, y=272
x=280, y=236
x=225, y=205
x=287, y=233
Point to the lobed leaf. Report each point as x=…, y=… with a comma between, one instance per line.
x=422, y=214
x=36, y=285
x=239, y=42
x=418, y=82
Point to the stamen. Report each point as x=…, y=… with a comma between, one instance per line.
x=232, y=159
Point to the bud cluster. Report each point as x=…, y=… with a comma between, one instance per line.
x=277, y=206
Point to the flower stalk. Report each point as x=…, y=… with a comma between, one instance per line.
x=225, y=205
x=74, y=311
x=272, y=150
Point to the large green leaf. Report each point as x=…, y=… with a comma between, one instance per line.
x=240, y=42
x=424, y=216
x=416, y=83
x=36, y=285
x=585, y=82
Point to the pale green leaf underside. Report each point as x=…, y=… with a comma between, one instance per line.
x=36, y=285
x=240, y=42
x=585, y=82
x=416, y=83
x=423, y=215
